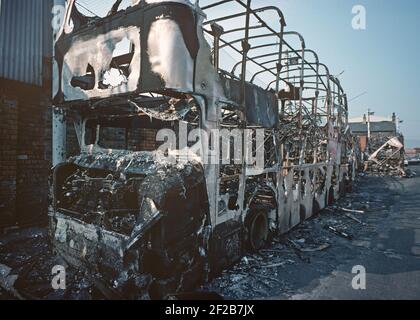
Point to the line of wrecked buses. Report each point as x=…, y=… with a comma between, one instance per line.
x=149, y=227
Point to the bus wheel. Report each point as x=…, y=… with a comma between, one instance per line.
x=258, y=231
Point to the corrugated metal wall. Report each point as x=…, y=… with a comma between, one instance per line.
x=25, y=40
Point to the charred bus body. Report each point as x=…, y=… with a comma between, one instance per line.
x=152, y=226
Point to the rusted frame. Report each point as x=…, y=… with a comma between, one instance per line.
x=302, y=81
x=327, y=70
x=278, y=67
x=255, y=57
x=245, y=49
x=310, y=64
x=242, y=29
x=298, y=55
x=240, y=52
x=342, y=99
x=326, y=85
x=317, y=77
x=254, y=12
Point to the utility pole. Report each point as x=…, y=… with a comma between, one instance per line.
x=59, y=123
x=397, y=122
x=369, y=113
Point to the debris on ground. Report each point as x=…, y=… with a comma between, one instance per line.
x=351, y=210
x=313, y=249
x=29, y=256
x=409, y=173
x=7, y=281
x=297, y=250
x=339, y=232
x=354, y=218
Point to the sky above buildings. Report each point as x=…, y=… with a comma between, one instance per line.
x=382, y=60
x=380, y=63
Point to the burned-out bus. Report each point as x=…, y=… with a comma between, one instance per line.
x=152, y=214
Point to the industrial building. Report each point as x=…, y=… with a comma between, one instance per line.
x=25, y=112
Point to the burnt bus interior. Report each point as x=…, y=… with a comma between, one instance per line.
x=119, y=208
x=113, y=201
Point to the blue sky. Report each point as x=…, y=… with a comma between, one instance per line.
x=382, y=60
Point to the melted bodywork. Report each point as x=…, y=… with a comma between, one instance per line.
x=152, y=227
x=143, y=219
x=164, y=42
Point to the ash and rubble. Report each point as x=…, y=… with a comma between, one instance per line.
x=27, y=257
x=315, y=247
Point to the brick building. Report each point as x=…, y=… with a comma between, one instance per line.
x=381, y=129
x=25, y=113
x=26, y=48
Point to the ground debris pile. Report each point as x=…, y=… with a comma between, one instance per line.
x=27, y=257
x=387, y=158
x=287, y=263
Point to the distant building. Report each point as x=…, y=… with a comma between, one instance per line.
x=381, y=129
x=413, y=152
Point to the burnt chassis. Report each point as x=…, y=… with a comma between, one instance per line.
x=299, y=180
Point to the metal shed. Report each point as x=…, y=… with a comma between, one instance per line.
x=25, y=40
